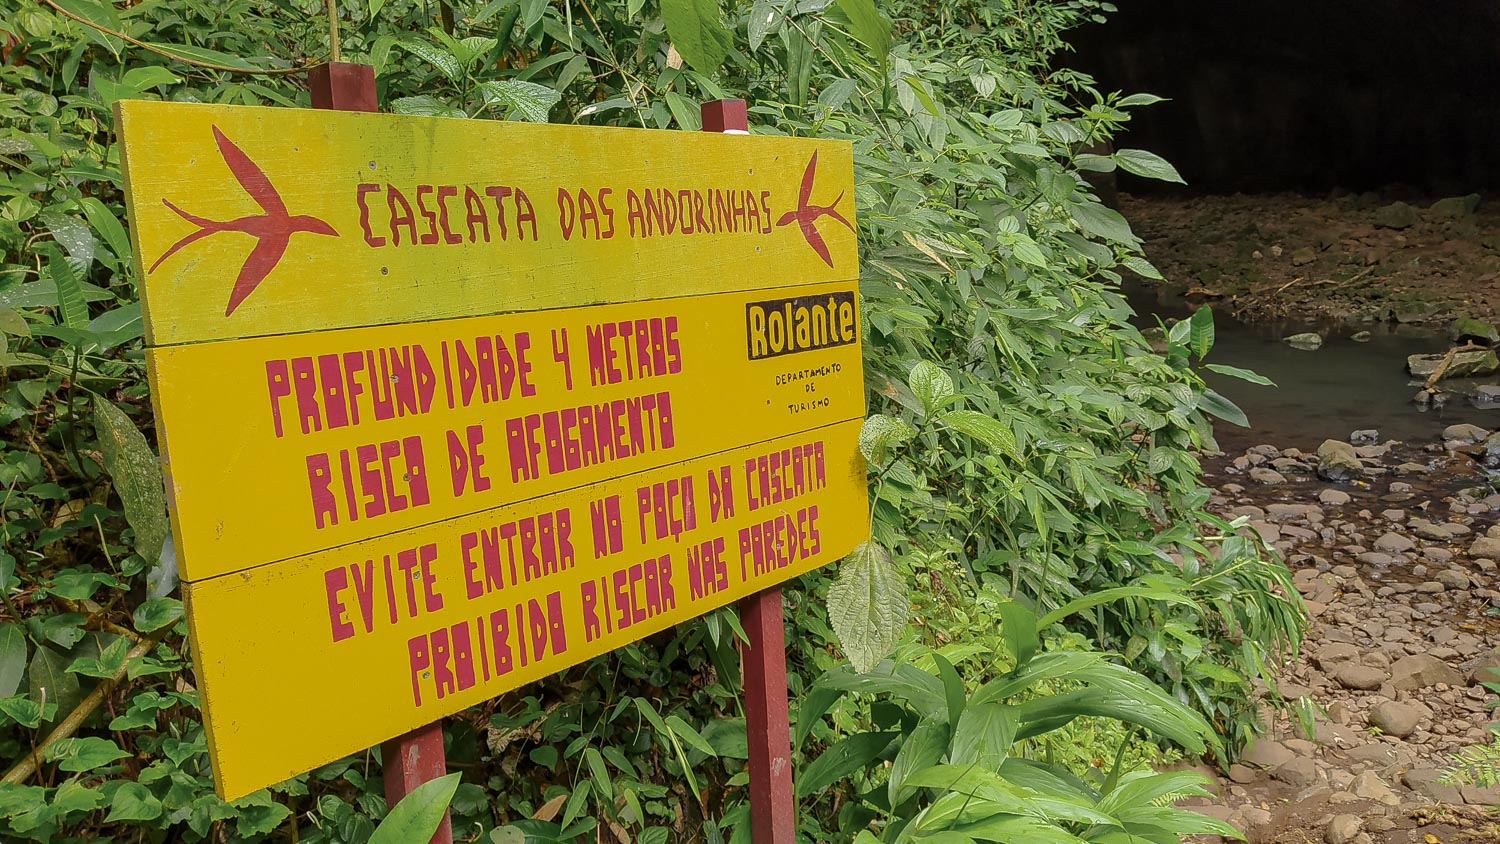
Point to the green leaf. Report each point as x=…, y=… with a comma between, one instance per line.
x=527, y=100
x=446, y=63
x=683, y=730
x=1019, y=627
x=1201, y=335
x=50, y=682
x=931, y=385
x=418, y=814
x=1140, y=100
x=846, y=756
x=375, y=7
x=133, y=802
x=424, y=105
x=1105, y=596
x=868, y=606
x=879, y=434
x=1212, y=402
x=83, y=754
x=108, y=225
x=983, y=736
x=985, y=428
x=156, y=613
x=70, y=302
x=870, y=27
x=137, y=477
x=203, y=54
x=44, y=294
x=1147, y=164
x=23, y=710
x=923, y=747
x=1140, y=266
x=760, y=23
x=13, y=653
x=697, y=32
x=1242, y=374
x=1100, y=221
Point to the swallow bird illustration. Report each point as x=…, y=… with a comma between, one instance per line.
x=272, y=230
x=807, y=214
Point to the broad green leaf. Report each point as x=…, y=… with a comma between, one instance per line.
x=870, y=27
x=108, y=225
x=1140, y=100
x=49, y=681
x=1242, y=374
x=424, y=105
x=985, y=428
x=527, y=100
x=23, y=710
x=1096, y=219
x=203, y=54
x=683, y=730
x=1147, y=164
x=1105, y=596
x=697, y=32
x=1213, y=403
x=136, y=474
x=1201, y=334
x=446, y=63
x=43, y=294
x=983, y=736
x=156, y=613
x=84, y=754
x=70, y=302
x=417, y=815
x=1140, y=266
x=763, y=16
x=13, y=653
x=922, y=748
x=685, y=112
x=868, y=606
x=1019, y=627
x=931, y=385
x=843, y=758
x=879, y=434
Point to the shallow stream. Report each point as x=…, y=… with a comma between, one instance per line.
x=1329, y=392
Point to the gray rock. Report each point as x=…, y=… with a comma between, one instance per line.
x=1427, y=782
x=1395, y=719
x=1242, y=774
x=1334, y=653
x=1394, y=543
x=1485, y=546
x=1265, y=753
x=1371, y=787
x=1452, y=579
x=1453, y=208
x=1333, y=497
x=1465, y=433
x=1300, y=772
x=1342, y=829
x=1419, y=671
x=1397, y=215
x=1375, y=558
x=1267, y=477
x=1364, y=436
x=1338, y=462
x=1464, y=365
x=1307, y=341
x=1470, y=330
x=1362, y=678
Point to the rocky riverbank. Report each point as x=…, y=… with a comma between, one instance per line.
x=1348, y=260
x=1396, y=549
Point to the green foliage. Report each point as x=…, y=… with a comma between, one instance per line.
x=1036, y=500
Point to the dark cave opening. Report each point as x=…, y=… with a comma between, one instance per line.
x=1377, y=95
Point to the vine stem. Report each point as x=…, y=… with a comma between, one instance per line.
x=333, y=29
x=284, y=71
x=69, y=725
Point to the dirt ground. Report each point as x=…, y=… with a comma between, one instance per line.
x=1353, y=259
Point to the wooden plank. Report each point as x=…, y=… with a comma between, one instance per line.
x=336, y=436
x=255, y=221
x=290, y=655
x=407, y=761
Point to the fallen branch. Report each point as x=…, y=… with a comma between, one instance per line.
x=1356, y=277
x=69, y=725
x=1442, y=367
x=1288, y=284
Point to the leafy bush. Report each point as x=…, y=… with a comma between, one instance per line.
x=1029, y=450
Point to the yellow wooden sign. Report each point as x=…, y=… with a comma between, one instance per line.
x=447, y=406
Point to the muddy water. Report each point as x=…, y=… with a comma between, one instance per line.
x=1326, y=393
